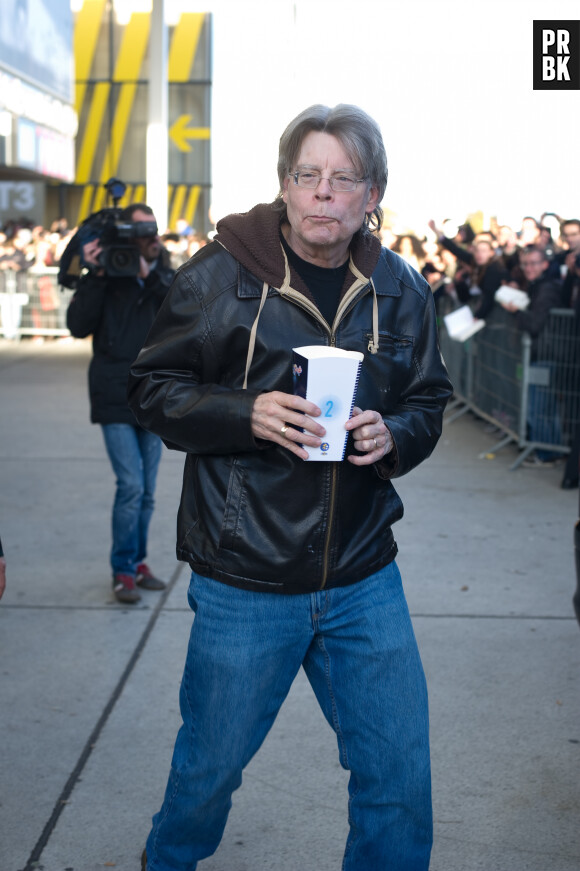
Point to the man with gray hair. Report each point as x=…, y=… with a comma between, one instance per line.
x=293, y=562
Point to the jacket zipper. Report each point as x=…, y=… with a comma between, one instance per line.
x=300, y=299
x=303, y=302
x=331, y=510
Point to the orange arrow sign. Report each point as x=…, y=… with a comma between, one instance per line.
x=180, y=133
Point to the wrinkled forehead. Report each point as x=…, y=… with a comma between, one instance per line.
x=317, y=148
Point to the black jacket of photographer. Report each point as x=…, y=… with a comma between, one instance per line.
x=118, y=312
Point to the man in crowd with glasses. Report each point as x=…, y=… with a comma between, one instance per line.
x=293, y=561
x=117, y=310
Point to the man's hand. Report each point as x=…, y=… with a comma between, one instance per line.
x=144, y=267
x=434, y=228
x=91, y=256
x=91, y=252
x=272, y=415
x=371, y=437
x=434, y=277
x=509, y=307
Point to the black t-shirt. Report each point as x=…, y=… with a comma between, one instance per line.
x=325, y=284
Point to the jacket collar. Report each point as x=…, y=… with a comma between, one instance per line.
x=386, y=276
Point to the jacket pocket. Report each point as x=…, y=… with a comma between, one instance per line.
x=234, y=507
x=391, y=342
x=188, y=517
x=386, y=374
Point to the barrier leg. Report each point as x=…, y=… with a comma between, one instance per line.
x=523, y=456
x=497, y=447
x=576, y=596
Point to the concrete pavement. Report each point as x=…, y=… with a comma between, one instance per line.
x=89, y=688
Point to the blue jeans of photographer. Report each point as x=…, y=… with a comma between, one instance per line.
x=134, y=455
x=357, y=647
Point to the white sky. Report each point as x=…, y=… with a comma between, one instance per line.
x=449, y=81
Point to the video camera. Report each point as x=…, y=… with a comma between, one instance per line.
x=120, y=257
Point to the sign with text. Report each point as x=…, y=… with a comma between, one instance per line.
x=556, y=55
x=21, y=199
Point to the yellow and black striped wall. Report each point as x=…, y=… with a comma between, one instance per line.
x=112, y=75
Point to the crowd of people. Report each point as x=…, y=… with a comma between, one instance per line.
x=469, y=266
x=540, y=258
x=25, y=245
x=28, y=250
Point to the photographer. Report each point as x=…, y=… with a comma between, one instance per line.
x=116, y=301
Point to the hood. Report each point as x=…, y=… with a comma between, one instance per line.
x=253, y=238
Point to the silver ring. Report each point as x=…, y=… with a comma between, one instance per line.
x=375, y=441
x=283, y=430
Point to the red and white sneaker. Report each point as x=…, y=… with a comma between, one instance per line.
x=125, y=589
x=147, y=580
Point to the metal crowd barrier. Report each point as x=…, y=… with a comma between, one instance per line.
x=528, y=389
x=33, y=304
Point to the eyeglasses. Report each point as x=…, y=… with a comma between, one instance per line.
x=308, y=178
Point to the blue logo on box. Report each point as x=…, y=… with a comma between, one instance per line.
x=325, y=447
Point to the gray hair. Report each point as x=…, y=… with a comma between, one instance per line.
x=359, y=135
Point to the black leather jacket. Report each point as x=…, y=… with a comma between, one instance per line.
x=252, y=514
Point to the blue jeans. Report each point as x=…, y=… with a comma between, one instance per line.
x=134, y=455
x=358, y=649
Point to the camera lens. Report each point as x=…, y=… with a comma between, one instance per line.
x=121, y=259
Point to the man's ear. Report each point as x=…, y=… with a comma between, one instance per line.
x=373, y=200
